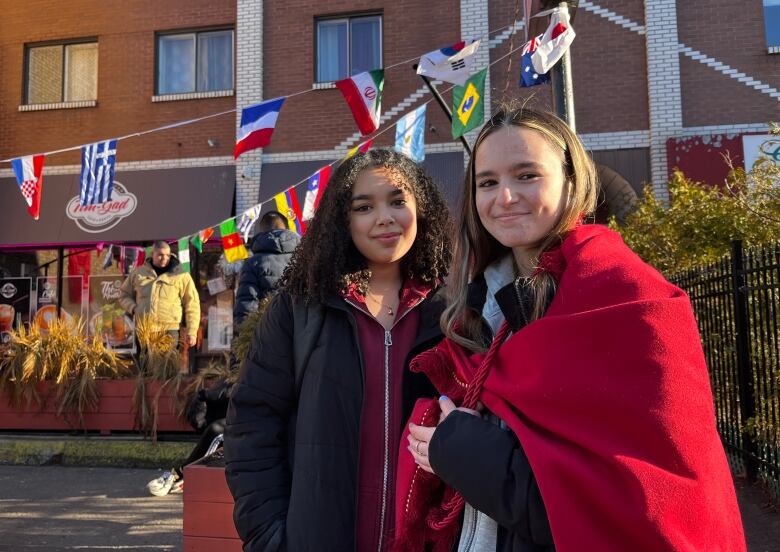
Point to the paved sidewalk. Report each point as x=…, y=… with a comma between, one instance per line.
x=760, y=519
x=57, y=509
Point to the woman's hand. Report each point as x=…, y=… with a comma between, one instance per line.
x=420, y=436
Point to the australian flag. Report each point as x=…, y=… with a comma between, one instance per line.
x=97, y=172
x=529, y=76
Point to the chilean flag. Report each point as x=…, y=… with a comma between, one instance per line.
x=29, y=176
x=257, y=125
x=317, y=183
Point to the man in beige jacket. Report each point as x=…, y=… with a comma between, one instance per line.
x=161, y=288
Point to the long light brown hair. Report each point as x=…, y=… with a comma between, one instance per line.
x=476, y=248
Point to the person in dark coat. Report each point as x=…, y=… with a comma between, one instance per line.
x=315, y=419
x=206, y=414
x=272, y=248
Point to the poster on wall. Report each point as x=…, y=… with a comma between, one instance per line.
x=219, y=324
x=15, y=303
x=106, y=317
x=46, y=300
x=760, y=146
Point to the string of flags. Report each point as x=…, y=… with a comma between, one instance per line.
x=454, y=64
x=362, y=92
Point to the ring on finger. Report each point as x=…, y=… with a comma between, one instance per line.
x=417, y=447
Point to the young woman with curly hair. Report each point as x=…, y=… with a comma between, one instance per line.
x=316, y=417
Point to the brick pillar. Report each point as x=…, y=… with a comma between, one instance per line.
x=474, y=23
x=663, y=79
x=249, y=90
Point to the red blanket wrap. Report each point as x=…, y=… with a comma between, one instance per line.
x=610, y=397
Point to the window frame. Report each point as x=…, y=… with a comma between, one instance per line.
x=63, y=46
x=347, y=18
x=771, y=48
x=195, y=32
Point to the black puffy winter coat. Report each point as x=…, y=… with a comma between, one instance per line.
x=293, y=425
x=271, y=252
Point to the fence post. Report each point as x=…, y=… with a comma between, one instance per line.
x=747, y=401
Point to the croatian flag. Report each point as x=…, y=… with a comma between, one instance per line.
x=29, y=176
x=529, y=76
x=317, y=184
x=257, y=125
x=451, y=64
x=97, y=172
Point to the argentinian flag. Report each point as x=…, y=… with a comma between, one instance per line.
x=410, y=135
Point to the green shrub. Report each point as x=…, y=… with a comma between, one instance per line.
x=700, y=221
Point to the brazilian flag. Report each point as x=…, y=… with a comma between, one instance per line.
x=468, y=105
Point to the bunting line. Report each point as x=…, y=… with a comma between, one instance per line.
x=375, y=135
x=221, y=113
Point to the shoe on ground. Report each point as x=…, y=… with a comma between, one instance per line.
x=164, y=484
x=178, y=487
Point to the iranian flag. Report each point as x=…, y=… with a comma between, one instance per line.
x=363, y=93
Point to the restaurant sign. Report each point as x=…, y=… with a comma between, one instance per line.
x=104, y=216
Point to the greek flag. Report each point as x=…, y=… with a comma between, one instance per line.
x=97, y=172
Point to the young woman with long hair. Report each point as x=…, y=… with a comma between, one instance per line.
x=316, y=417
x=598, y=428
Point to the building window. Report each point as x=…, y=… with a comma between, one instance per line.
x=59, y=73
x=772, y=24
x=347, y=46
x=195, y=62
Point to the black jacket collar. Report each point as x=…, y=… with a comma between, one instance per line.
x=516, y=300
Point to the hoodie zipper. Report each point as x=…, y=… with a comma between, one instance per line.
x=386, y=466
x=388, y=343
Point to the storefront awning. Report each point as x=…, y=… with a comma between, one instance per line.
x=147, y=205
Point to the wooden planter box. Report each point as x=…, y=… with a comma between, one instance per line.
x=115, y=412
x=208, y=511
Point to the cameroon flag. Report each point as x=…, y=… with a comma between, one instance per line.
x=232, y=242
x=468, y=104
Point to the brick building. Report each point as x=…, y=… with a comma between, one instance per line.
x=657, y=84
x=644, y=73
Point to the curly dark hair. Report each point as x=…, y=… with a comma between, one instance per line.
x=327, y=260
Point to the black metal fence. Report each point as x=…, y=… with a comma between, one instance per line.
x=737, y=306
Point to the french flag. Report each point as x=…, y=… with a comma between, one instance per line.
x=29, y=175
x=257, y=125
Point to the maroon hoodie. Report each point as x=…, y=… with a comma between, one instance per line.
x=384, y=361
